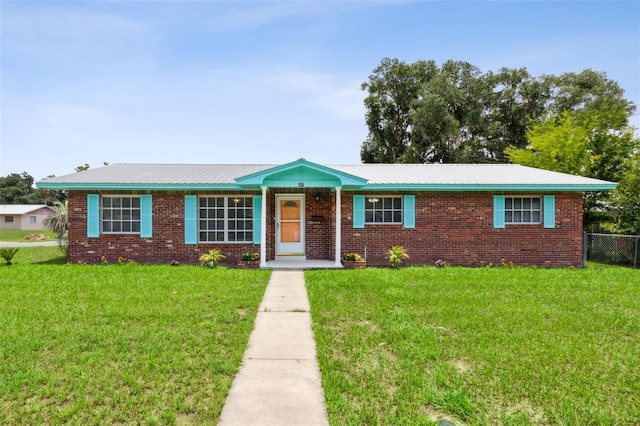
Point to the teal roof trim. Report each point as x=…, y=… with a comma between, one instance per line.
x=489, y=187
x=324, y=184
x=301, y=173
x=142, y=186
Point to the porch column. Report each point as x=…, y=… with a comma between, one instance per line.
x=338, y=227
x=263, y=229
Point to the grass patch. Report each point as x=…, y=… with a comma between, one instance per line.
x=16, y=235
x=121, y=344
x=38, y=255
x=518, y=346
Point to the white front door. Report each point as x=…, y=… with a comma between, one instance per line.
x=289, y=225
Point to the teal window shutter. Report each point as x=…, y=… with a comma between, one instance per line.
x=93, y=215
x=409, y=211
x=146, y=216
x=549, y=203
x=498, y=211
x=358, y=211
x=257, y=218
x=190, y=219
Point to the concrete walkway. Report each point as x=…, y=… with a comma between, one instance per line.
x=279, y=381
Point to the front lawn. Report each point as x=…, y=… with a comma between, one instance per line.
x=510, y=346
x=121, y=344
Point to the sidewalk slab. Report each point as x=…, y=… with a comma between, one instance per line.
x=282, y=335
x=275, y=392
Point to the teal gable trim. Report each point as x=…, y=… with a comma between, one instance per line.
x=498, y=211
x=190, y=219
x=549, y=205
x=409, y=206
x=300, y=174
x=93, y=215
x=358, y=211
x=257, y=218
x=146, y=216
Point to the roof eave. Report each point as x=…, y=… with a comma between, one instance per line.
x=490, y=187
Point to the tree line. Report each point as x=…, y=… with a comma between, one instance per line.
x=575, y=123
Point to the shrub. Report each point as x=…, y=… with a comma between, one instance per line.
x=212, y=259
x=7, y=254
x=355, y=257
x=249, y=256
x=396, y=255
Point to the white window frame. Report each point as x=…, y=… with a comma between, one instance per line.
x=227, y=216
x=374, y=207
x=33, y=219
x=523, y=210
x=120, y=214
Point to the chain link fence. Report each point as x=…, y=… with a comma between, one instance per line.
x=612, y=249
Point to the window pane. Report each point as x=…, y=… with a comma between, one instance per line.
x=517, y=203
x=526, y=216
x=517, y=217
x=535, y=203
x=508, y=217
x=535, y=217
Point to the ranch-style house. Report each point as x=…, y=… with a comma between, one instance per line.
x=471, y=214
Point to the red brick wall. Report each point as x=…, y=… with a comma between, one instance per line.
x=458, y=228
x=166, y=244
x=454, y=227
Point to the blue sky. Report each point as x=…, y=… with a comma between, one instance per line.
x=259, y=82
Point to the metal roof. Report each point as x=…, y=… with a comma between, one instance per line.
x=19, y=209
x=378, y=177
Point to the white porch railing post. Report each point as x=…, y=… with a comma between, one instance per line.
x=263, y=229
x=338, y=226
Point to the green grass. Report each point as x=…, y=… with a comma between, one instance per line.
x=38, y=255
x=120, y=344
x=13, y=235
x=506, y=346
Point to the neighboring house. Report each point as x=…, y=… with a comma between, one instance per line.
x=23, y=216
x=461, y=214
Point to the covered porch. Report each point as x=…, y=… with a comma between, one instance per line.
x=287, y=219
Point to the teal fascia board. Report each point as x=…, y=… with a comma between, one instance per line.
x=140, y=186
x=323, y=184
x=486, y=188
x=302, y=173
